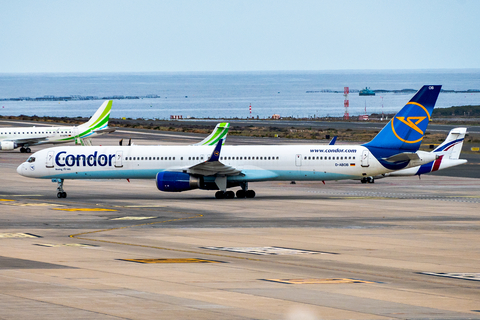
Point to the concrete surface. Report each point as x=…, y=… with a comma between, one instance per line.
x=366, y=248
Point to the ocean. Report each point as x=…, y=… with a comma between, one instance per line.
x=299, y=94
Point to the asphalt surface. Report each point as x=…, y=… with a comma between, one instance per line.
x=401, y=248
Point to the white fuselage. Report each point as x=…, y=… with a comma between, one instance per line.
x=45, y=135
x=257, y=163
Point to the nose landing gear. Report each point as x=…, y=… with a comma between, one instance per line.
x=60, y=192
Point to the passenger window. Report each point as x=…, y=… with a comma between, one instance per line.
x=268, y=158
x=353, y=158
x=169, y=158
x=149, y=158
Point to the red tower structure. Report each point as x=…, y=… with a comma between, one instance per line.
x=346, y=103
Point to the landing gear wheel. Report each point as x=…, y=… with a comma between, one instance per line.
x=60, y=192
x=219, y=195
x=370, y=180
x=241, y=194
x=229, y=195
x=250, y=194
x=364, y=180
x=22, y=150
x=28, y=150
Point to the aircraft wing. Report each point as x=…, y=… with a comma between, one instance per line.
x=212, y=166
x=30, y=141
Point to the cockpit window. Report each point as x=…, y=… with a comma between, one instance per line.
x=31, y=159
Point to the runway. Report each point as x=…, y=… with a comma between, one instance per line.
x=401, y=248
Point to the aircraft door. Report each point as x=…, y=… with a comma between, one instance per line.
x=75, y=132
x=298, y=160
x=365, y=158
x=49, y=161
x=119, y=159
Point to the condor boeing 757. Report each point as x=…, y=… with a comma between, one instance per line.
x=181, y=168
x=24, y=137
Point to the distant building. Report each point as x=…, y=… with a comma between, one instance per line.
x=276, y=117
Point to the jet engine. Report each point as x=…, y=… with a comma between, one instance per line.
x=7, y=145
x=177, y=181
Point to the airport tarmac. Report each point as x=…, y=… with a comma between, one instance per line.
x=401, y=248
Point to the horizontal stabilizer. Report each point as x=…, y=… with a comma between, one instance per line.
x=106, y=130
x=414, y=158
x=405, y=156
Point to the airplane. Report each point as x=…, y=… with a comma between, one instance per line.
x=24, y=137
x=448, y=156
x=182, y=168
x=219, y=132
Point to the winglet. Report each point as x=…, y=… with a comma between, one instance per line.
x=216, y=152
x=220, y=132
x=332, y=142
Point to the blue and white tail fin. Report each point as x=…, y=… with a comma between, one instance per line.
x=452, y=146
x=406, y=129
x=398, y=142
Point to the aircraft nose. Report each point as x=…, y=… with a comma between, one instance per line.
x=20, y=169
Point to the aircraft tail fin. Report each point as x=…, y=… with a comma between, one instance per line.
x=406, y=129
x=452, y=146
x=220, y=132
x=99, y=120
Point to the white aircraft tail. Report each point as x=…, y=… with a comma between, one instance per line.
x=98, y=121
x=452, y=146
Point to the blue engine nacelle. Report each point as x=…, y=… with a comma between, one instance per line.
x=177, y=181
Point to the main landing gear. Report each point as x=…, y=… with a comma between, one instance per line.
x=368, y=179
x=60, y=192
x=242, y=193
x=25, y=149
x=230, y=194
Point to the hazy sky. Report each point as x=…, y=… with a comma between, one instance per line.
x=230, y=35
